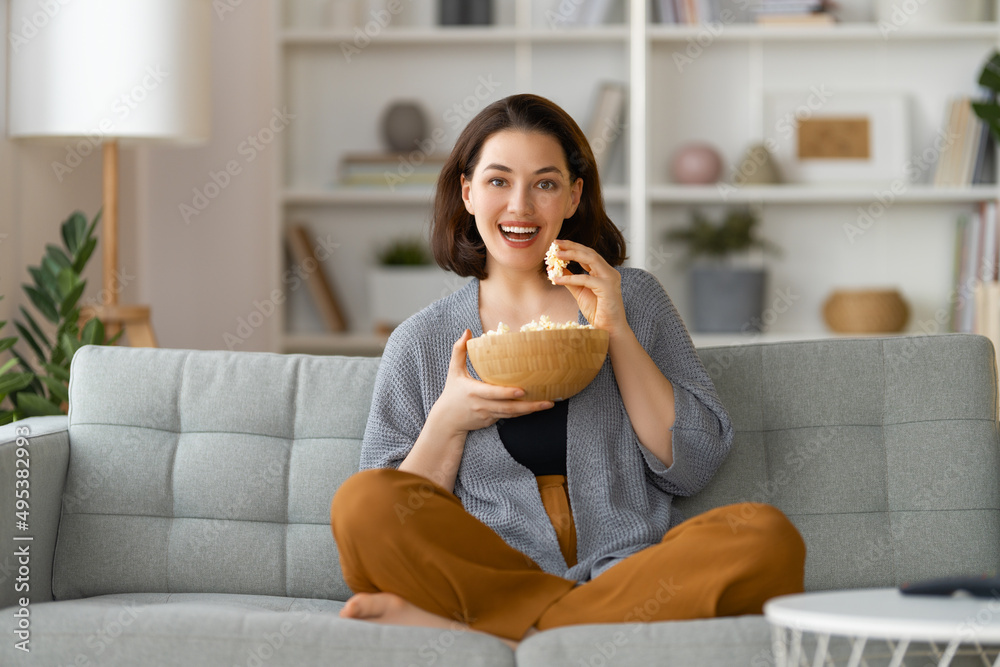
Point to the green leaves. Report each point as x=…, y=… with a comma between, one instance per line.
x=989, y=110
x=56, y=294
x=735, y=233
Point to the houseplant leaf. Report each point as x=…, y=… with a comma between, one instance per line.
x=43, y=302
x=990, y=76
x=93, y=332
x=12, y=382
x=30, y=340
x=33, y=405
x=83, y=255
x=43, y=279
x=56, y=387
x=58, y=256
x=6, y=344
x=34, y=327
x=57, y=371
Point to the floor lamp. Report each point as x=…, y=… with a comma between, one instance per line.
x=93, y=73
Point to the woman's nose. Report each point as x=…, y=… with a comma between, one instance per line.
x=520, y=201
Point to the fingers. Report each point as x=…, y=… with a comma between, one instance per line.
x=459, y=351
x=583, y=255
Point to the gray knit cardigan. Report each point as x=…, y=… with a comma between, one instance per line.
x=620, y=493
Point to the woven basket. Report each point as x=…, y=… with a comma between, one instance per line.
x=549, y=365
x=866, y=311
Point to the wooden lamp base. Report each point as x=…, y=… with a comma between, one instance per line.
x=133, y=319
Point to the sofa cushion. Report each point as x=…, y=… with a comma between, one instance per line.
x=882, y=451
x=197, y=471
x=238, y=630
x=717, y=642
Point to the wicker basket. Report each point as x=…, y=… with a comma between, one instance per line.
x=549, y=365
x=866, y=311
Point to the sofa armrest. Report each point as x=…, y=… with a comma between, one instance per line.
x=39, y=446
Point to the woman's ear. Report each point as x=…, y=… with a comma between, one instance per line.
x=467, y=195
x=574, y=202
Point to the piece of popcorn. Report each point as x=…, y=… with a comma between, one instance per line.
x=554, y=267
x=501, y=329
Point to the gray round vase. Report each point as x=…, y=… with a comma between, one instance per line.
x=726, y=299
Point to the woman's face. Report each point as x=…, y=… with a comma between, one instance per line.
x=520, y=193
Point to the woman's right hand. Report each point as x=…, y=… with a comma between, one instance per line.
x=467, y=404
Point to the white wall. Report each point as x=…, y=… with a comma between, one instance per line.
x=202, y=274
x=198, y=277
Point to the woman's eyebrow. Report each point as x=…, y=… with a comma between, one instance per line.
x=544, y=170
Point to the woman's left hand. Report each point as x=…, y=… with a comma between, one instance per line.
x=598, y=292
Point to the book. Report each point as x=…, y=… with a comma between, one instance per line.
x=607, y=122
x=391, y=169
x=302, y=250
x=991, y=235
x=593, y=12
x=664, y=11
x=970, y=146
x=818, y=18
x=944, y=173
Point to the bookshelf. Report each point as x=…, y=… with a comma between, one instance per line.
x=720, y=97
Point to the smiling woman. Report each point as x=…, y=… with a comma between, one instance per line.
x=557, y=150
x=508, y=483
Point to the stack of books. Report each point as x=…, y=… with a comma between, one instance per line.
x=975, y=306
x=966, y=157
x=687, y=12
x=792, y=12
x=391, y=169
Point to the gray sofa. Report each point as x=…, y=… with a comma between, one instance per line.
x=180, y=514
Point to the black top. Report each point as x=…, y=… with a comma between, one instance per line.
x=538, y=440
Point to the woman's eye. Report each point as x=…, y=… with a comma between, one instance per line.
x=498, y=182
x=547, y=185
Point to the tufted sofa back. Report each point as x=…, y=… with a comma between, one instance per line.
x=882, y=451
x=195, y=471
x=213, y=471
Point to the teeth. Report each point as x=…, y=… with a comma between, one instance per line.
x=518, y=230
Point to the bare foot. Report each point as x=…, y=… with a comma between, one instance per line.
x=391, y=609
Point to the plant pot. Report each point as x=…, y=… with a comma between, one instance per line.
x=396, y=292
x=726, y=299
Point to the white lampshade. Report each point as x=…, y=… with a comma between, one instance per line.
x=110, y=69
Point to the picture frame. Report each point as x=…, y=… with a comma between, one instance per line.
x=817, y=136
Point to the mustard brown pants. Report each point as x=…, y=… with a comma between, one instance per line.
x=401, y=533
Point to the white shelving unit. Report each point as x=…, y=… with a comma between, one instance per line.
x=718, y=97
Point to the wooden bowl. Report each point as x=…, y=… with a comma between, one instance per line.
x=549, y=365
x=866, y=311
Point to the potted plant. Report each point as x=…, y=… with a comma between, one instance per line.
x=727, y=289
x=405, y=280
x=55, y=294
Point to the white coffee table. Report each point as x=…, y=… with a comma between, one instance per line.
x=882, y=614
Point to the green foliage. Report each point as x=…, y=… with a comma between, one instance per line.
x=405, y=252
x=55, y=294
x=989, y=111
x=734, y=234
x=11, y=381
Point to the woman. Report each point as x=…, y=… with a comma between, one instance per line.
x=511, y=516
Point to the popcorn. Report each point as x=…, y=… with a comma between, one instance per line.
x=543, y=323
x=554, y=267
x=501, y=329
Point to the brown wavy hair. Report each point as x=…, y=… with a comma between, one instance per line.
x=456, y=242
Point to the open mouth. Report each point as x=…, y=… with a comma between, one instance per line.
x=518, y=233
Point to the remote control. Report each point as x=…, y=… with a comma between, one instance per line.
x=981, y=586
